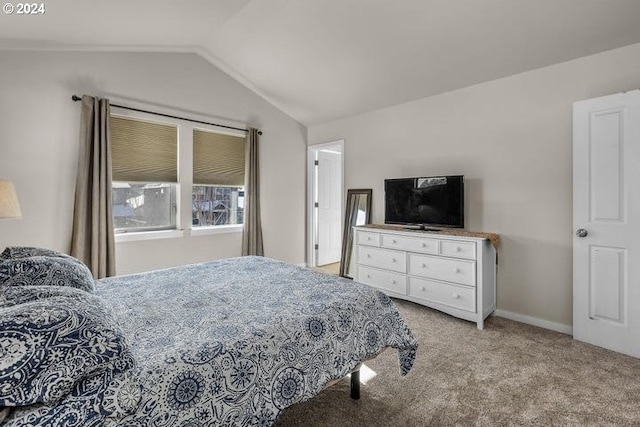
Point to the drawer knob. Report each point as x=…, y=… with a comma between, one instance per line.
x=393, y=260
x=393, y=241
x=368, y=238
x=457, y=248
x=368, y=255
x=456, y=296
x=424, y=265
x=393, y=282
x=423, y=289
x=368, y=276
x=456, y=270
x=424, y=245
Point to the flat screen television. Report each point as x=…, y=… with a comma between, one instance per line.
x=435, y=201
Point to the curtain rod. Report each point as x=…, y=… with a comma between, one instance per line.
x=76, y=98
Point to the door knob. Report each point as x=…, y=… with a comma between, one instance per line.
x=581, y=232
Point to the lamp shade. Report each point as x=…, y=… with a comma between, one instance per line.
x=9, y=206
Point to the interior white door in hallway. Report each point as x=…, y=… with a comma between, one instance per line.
x=606, y=219
x=329, y=206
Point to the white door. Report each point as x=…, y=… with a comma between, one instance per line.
x=329, y=207
x=606, y=219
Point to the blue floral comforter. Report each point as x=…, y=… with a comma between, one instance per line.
x=234, y=342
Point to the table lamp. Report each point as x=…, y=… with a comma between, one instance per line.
x=9, y=206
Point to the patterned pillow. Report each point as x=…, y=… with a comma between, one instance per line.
x=48, y=345
x=13, y=252
x=46, y=270
x=14, y=295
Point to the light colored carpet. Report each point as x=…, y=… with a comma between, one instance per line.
x=510, y=374
x=333, y=269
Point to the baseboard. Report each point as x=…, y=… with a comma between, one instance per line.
x=529, y=320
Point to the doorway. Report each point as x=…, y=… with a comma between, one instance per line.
x=325, y=178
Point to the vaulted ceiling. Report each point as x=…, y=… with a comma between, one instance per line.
x=321, y=60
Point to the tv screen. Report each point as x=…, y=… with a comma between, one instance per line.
x=435, y=201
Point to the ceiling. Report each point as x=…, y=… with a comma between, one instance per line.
x=321, y=60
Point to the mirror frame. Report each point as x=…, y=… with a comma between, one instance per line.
x=347, y=232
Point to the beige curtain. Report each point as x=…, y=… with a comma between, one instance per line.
x=92, y=240
x=252, y=230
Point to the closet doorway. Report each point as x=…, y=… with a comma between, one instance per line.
x=325, y=177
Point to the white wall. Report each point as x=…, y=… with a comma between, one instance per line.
x=39, y=127
x=512, y=139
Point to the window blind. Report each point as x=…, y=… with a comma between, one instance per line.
x=218, y=159
x=143, y=151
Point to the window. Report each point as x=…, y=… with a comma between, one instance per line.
x=218, y=179
x=145, y=174
x=143, y=206
x=162, y=164
x=215, y=205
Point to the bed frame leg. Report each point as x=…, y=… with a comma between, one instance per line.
x=355, y=385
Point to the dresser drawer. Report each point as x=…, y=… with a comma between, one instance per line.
x=383, y=258
x=440, y=268
x=443, y=293
x=458, y=249
x=387, y=280
x=411, y=244
x=368, y=238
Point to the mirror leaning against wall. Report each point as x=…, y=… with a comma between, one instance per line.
x=357, y=212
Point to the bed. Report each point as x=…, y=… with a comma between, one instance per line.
x=229, y=342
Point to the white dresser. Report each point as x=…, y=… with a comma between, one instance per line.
x=453, y=274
